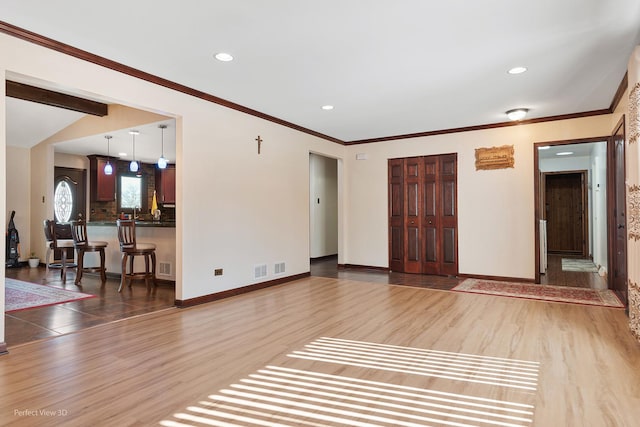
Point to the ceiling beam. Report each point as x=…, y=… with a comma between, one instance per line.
x=55, y=99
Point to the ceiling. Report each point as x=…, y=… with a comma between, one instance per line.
x=388, y=68
x=583, y=149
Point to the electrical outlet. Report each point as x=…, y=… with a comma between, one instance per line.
x=217, y=272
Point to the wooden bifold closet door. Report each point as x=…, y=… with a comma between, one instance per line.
x=423, y=221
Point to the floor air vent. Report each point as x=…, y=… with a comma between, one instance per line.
x=278, y=268
x=260, y=271
x=164, y=268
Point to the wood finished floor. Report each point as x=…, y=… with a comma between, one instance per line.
x=34, y=324
x=38, y=323
x=334, y=352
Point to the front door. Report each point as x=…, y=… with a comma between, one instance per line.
x=565, y=212
x=69, y=197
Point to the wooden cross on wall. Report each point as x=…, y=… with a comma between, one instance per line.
x=259, y=143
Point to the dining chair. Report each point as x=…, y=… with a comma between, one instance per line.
x=52, y=232
x=131, y=248
x=83, y=245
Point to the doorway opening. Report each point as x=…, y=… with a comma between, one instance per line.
x=323, y=207
x=575, y=212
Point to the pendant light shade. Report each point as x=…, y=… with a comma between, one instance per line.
x=162, y=162
x=108, y=169
x=133, y=166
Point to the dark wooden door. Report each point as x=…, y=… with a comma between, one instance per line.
x=413, y=184
x=448, y=215
x=617, y=211
x=423, y=215
x=69, y=194
x=396, y=215
x=565, y=213
x=440, y=215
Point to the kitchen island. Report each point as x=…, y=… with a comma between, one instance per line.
x=161, y=233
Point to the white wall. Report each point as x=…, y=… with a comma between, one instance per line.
x=323, y=205
x=495, y=208
x=599, y=192
x=235, y=208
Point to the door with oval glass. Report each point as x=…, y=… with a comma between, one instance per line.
x=69, y=197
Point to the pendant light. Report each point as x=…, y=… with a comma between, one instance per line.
x=108, y=169
x=162, y=162
x=133, y=166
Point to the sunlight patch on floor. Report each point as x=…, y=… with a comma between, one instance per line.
x=278, y=396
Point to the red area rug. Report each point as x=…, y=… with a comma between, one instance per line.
x=21, y=295
x=565, y=294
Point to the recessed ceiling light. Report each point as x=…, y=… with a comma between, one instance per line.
x=224, y=57
x=517, y=114
x=564, y=153
x=122, y=154
x=327, y=107
x=544, y=147
x=517, y=70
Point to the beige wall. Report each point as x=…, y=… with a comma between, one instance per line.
x=18, y=175
x=237, y=209
x=495, y=208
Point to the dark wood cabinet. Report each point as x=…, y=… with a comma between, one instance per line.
x=103, y=187
x=166, y=185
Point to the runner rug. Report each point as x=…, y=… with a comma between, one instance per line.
x=576, y=264
x=21, y=295
x=565, y=294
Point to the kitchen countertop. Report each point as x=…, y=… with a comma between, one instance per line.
x=166, y=224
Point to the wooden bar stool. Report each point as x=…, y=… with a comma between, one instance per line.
x=83, y=245
x=64, y=246
x=130, y=248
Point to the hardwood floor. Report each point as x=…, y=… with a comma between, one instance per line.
x=334, y=352
x=30, y=325
x=37, y=323
x=328, y=267
x=577, y=279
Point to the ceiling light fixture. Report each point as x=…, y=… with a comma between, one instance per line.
x=517, y=70
x=108, y=169
x=517, y=114
x=224, y=57
x=564, y=153
x=327, y=107
x=133, y=166
x=544, y=147
x=162, y=162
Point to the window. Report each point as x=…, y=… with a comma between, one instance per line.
x=63, y=201
x=130, y=192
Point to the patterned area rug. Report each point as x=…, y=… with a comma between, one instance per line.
x=574, y=264
x=565, y=294
x=21, y=295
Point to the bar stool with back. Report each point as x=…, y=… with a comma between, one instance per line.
x=52, y=230
x=83, y=245
x=130, y=248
